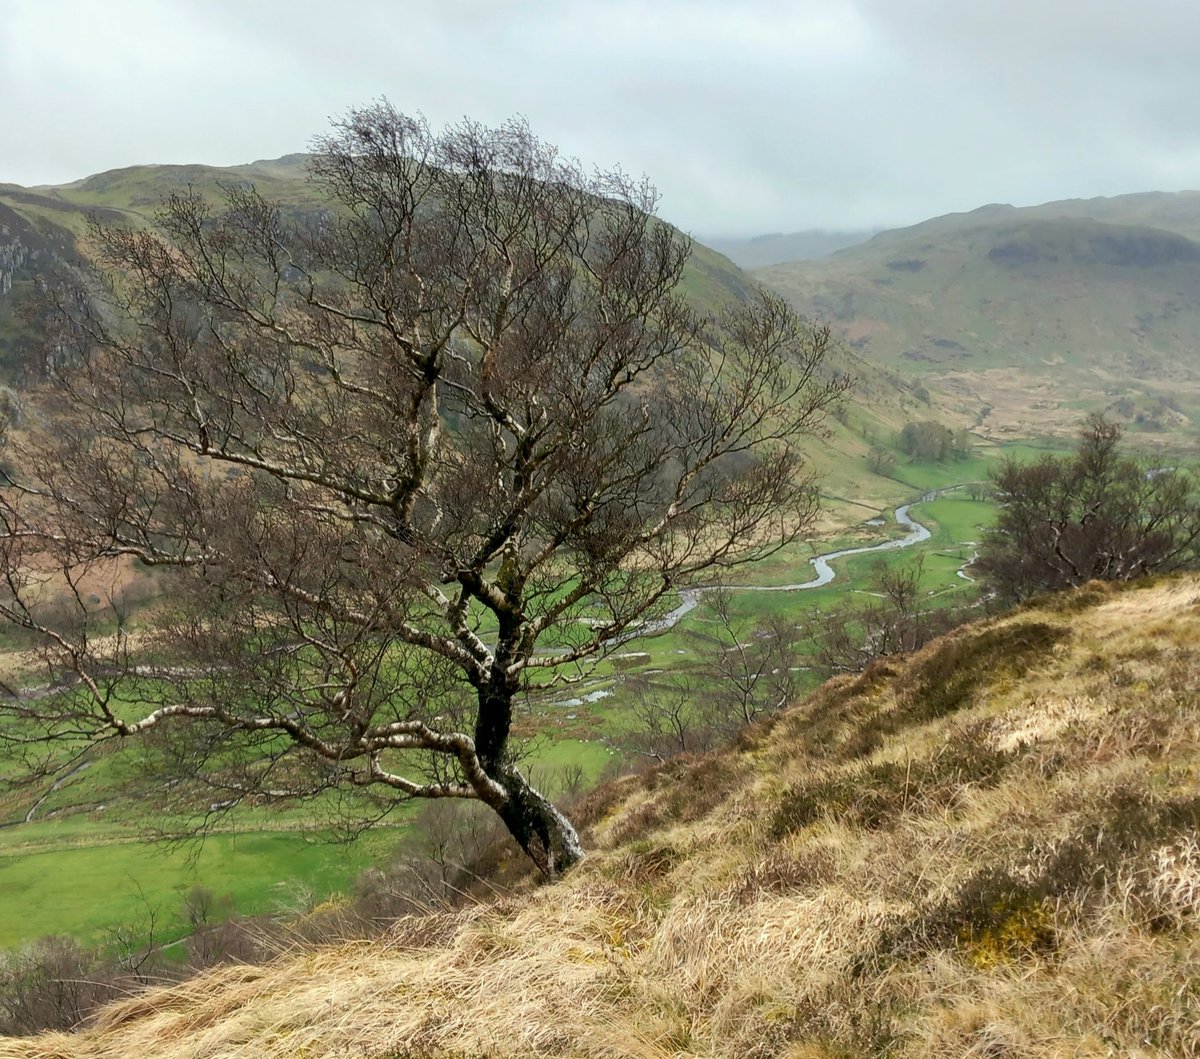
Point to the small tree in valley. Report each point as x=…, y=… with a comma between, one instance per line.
x=745, y=670
x=896, y=617
x=1097, y=514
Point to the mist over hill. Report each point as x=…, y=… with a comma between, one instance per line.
x=761, y=250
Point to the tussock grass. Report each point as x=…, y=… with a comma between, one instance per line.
x=987, y=849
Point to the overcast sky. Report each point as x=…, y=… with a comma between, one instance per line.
x=751, y=116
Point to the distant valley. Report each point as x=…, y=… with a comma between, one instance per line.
x=1011, y=321
x=761, y=250
x=1024, y=318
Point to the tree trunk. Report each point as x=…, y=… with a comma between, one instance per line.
x=543, y=832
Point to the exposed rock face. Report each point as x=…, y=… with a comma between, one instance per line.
x=13, y=255
x=28, y=246
x=19, y=248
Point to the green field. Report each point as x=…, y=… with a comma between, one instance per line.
x=80, y=870
x=86, y=881
x=83, y=871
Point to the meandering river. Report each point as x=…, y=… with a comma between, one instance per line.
x=690, y=597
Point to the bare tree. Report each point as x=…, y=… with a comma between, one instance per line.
x=406, y=459
x=745, y=670
x=880, y=460
x=746, y=664
x=50, y=984
x=1097, y=514
x=664, y=719
x=896, y=617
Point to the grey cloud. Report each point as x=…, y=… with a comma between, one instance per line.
x=750, y=115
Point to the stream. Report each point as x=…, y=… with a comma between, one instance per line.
x=689, y=598
x=55, y=786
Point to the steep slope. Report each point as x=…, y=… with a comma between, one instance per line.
x=1029, y=315
x=31, y=242
x=986, y=849
x=46, y=227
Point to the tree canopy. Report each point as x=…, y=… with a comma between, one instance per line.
x=403, y=460
x=1097, y=514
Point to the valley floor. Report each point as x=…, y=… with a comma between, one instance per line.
x=82, y=867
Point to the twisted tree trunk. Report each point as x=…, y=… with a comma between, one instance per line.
x=539, y=828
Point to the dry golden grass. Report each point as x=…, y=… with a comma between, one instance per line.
x=986, y=850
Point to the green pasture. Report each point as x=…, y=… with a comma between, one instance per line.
x=78, y=871
x=87, y=885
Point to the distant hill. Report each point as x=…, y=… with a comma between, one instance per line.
x=1030, y=315
x=760, y=250
x=42, y=227
x=988, y=848
x=1014, y=320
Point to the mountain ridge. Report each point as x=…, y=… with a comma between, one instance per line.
x=132, y=194
x=1032, y=315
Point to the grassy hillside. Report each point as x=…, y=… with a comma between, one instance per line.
x=1030, y=316
x=70, y=868
x=47, y=225
x=986, y=849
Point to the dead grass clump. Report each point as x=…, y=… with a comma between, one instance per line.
x=680, y=791
x=784, y=871
x=1123, y=826
x=1042, y=721
x=1016, y=908
x=865, y=797
x=875, y=796
x=647, y=863
x=1154, y=721
x=704, y=786
x=600, y=802
x=1088, y=595
x=952, y=675
x=424, y=930
x=1164, y=889
x=831, y=720
x=840, y=1020
x=637, y=821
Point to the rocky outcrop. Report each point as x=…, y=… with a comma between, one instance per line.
x=14, y=255
x=28, y=246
